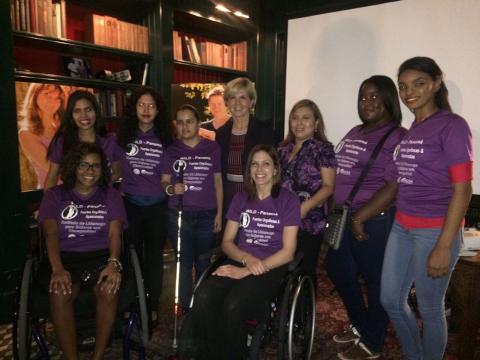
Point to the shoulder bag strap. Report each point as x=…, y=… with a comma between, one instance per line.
x=367, y=167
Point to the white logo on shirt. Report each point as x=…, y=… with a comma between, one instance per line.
x=244, y=220
x=133, y=149
x=69, y=212
x=178, y=165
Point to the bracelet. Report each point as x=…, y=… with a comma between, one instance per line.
x=116, y=262
x=356, y=221
x=169, y=186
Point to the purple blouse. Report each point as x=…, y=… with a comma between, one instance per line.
x=302, y=176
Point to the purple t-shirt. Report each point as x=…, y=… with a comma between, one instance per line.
x=353, y=153
x=201, y=163
x=83, y=222
x=423, y=158
x=108, y=145
x=262, y=221
x=303, y=177
x=141, y=165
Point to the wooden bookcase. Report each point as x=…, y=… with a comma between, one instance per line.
x=31, y=57
x=219, y=33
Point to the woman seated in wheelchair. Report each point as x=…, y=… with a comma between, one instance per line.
x=82, y=222
x=259, y=241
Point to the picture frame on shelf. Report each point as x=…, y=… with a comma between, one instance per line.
x=77, y=67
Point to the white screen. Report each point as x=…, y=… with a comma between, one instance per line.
x=329, y=55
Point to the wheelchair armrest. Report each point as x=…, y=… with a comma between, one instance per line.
x=292, y=265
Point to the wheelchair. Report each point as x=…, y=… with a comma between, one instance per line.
x=290, y=323
x=32, y=310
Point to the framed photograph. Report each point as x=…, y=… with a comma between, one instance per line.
x=40, y=107
x=77, y=67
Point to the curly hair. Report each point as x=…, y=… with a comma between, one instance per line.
x=161, y=124
x=71, y=160
x=68, y=129
x=249, y=184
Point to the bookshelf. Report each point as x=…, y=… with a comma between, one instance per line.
x=30, y=56
x=205, y=50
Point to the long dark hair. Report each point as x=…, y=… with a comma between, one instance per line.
x=68, y=129
x=249, y=184
x=320, y=132
x=430, y=67
x=389, y=94
x=162, y=126
x=71, y=160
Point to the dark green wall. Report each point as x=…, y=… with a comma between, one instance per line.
x=13, y=221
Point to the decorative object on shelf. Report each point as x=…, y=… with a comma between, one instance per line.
x=104, y=75
x=77, y=67
x=123, y=76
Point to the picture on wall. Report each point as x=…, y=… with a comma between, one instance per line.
x=207, y=99
x=40, y=108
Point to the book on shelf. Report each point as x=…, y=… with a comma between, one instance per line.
x=231, y=56
x=46, y=17
x=109, y=31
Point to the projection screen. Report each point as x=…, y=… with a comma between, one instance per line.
x=329, y=55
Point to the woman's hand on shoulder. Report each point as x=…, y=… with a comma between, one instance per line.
x=109, y=279
x=232, y=271
x=60, y=282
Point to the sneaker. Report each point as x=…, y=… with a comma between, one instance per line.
x=349, y=335
x=359, y=351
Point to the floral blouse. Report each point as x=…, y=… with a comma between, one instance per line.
x=302, y=176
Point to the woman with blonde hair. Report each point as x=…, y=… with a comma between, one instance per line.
x=239, y=134
x=41, y=114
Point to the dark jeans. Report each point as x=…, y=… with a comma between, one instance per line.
x=147, y=229
x=363, y=258
x=309, y=244
x=197, y=238
x=223, y=305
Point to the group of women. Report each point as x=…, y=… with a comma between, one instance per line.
x=404, y=229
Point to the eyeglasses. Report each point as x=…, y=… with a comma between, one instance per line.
x=85, y=166
x=143, y=106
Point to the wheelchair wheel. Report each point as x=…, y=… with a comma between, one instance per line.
x=23, y=324
x=301, y=323
x=283, y=316
x=142, y=301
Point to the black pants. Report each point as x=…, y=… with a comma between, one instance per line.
x=309, y=244
x=221, y=307
x=147, y=229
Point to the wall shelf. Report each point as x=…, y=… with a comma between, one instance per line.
x=210, y=68
x=73, y=46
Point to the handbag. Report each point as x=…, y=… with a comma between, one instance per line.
x=337, y=219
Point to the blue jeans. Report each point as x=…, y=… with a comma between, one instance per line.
x=197, y=238
x=406, y=264
x=356, y=258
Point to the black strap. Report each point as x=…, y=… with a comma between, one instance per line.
x=367, y=167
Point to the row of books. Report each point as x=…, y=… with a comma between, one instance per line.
x=112, y=102
x=232, y=56
x=109, y=31
x=45, y=17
